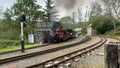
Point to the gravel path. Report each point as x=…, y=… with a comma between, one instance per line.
x=41, y=58
x=94, y=59
x=40, y=48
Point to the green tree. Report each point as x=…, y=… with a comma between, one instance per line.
x=74, y=14
x=0, y=11
x=31, y=9
x=50, y=11
x=11, y=20
x=67, y=22
x=101, y=24
x=112, y=9
x=84, y=26
x=9, y=28
x=48, y=8
x=79, y=12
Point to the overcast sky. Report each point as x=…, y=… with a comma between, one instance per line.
x=64, y=7
x=8, y=3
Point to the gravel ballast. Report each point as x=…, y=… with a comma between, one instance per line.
x=94, y=59
x=17, y=53
x=37, y=59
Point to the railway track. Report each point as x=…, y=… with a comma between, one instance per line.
x=118, y=42
x=65, y=59
x=43, y=45
x=19, y=57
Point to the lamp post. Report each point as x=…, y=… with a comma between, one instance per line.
x=22, y=20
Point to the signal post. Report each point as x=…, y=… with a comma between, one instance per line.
x=22, y=20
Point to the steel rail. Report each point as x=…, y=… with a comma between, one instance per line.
x=80, y=52
x=19, y=57
x=11, y=51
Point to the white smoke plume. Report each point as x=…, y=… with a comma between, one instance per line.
x=67, y=4
x=66, y=7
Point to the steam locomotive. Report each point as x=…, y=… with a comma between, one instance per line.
x=60, y=35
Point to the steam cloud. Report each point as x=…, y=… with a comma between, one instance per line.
x=66, y=7
x=67, y=4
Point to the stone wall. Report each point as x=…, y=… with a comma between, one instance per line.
x=41, y=32
x=112, y=56
x=89, y=31
x=119, y=55
x=38, y=36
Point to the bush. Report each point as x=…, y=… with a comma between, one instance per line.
x=101, y=24
x=6, y=42
x=113, y=32
x=117, y=33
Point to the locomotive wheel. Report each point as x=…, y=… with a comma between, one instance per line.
x=61, y=40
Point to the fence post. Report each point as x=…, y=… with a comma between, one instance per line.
x=111, y=56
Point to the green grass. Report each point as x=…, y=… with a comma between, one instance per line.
x=14, y=47
x=113, y=32
x=118, y=37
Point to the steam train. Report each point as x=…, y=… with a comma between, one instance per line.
x=60, y=35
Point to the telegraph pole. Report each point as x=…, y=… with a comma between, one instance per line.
x=22, y=20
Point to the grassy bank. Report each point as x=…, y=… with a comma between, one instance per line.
x=117, y=36
x=14, y=47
